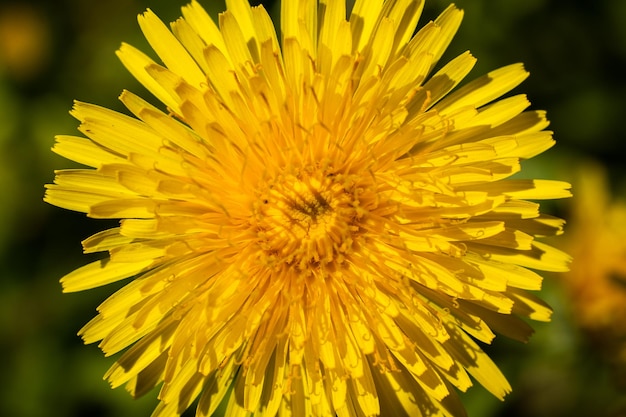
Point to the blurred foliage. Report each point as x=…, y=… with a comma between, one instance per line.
x=54, y=52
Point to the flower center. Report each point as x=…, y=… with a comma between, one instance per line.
x=308, y=220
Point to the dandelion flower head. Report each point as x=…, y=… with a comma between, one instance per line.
x=318, y=225
x=597, y=240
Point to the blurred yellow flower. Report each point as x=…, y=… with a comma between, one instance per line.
x=597, y=240
x=25, y=40
x=317, y=227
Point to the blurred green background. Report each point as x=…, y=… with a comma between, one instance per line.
x=54, y=52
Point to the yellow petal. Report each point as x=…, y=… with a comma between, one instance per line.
x=100, y=273
x=404, y=14
x=105, y=240
x=528, y=305
x=448, y=22
x=136, y=63
x=203, y=25
x=484, y=89
x=141, y=355
x=190, y=40
x=363, y=19
x=525, y=189
x=169, y=49
x=477, y=363
x=84, y=151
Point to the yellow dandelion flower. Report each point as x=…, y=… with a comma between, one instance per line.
x=317, y=226
x=597, y=240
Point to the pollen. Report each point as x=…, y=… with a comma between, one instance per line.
x=309, y=220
